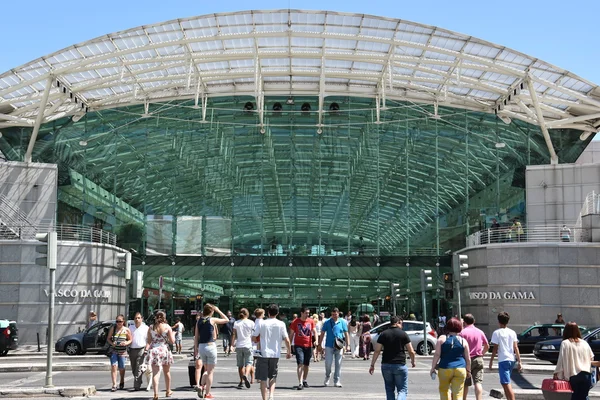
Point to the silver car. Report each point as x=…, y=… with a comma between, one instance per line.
x=414, y=329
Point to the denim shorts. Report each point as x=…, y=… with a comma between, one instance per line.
x=120, y=360
x=504, y=370
x=303, y=355
x=208, y=353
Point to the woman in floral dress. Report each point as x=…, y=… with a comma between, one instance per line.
x=159, y=354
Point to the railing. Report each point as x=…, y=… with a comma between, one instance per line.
x=284, y=250
x=540, y=233
x=591, y=205
x=64, y=232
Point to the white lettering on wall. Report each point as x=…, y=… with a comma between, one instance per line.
x=500, y=296
x=73, y=296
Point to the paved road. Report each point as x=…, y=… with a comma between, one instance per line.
x=355, y=378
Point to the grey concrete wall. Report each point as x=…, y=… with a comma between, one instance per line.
x=555, y=193
x=86, y=279
x=563, y=277
x=32, y=187
x=591, y=154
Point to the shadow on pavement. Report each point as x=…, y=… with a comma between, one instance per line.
x=522, y=382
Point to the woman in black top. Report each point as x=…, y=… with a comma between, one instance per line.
x=205, y=348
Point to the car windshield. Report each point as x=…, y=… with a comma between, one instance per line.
x=542, y=330
x=592, y=333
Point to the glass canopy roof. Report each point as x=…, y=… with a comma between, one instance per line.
x=283, y=52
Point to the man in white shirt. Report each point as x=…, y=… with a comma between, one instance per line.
x=241, y=339
x=442, y=324
x=139, y=335
x=270, y=335
x=506, y=346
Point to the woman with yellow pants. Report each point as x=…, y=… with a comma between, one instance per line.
x=454, y=366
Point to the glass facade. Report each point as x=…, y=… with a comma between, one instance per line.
x=406, y=181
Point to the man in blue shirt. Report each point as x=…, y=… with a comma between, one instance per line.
x=335, y=328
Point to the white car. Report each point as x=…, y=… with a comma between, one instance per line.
x=414, y=329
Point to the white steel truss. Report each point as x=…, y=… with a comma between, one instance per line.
x=292, y=52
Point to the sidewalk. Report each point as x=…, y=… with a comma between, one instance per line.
x=28, y=359
x=64, y=391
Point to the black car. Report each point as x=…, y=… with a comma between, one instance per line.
x=9, y=338
x=548, y=350
x=537, y=333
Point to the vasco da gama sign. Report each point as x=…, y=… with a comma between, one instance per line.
x=501, y=296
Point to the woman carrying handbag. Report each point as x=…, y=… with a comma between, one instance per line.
x=119, y=337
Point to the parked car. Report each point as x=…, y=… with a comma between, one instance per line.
x=414, y=329
x=91, y=339
x=538, y=333
x=9, y=339
x=548, y=350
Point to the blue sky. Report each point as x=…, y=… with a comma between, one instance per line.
x=561, y=33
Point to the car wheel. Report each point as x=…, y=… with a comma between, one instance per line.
x=421, y=348
x=3, y=353
x=72, y=348
x=430, y=347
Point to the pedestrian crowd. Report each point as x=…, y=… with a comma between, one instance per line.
x=257, y=342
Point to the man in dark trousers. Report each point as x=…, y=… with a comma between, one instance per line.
x=495, y=231
x=226, y=332
x=395, y=343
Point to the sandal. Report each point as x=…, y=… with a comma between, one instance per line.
x=113, y=389
x=169, y=393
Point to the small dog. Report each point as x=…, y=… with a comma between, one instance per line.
x=146, y=369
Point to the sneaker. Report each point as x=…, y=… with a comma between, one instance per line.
x=305, y=384
x=300, y=387
x=337, y=384
x=246, y=382
x=256, y=353
x=326, y=383
x=240, y=385
x=208, y=396
x=200, y=391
